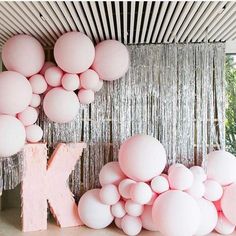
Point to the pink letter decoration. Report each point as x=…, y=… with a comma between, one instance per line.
x=41, y=183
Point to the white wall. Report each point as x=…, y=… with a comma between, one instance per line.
x=230, y=47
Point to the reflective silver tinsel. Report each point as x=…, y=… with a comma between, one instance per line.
x=174, y=92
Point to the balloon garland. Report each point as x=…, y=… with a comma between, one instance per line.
x=136, y=193
x=30, y=81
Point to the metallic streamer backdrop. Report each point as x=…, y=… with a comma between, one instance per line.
x=174, y=92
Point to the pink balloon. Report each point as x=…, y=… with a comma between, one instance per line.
x=93, y=212
x=46, y=65
x=133, y=209
x=197, y=189
x=176, y=213
x=111, y=60
x=147, y=220
x=228, y=203
x=111, y=174
x=89, y=79
x=221, y=167
x=28, y=117
x=70, y=82
x=34, y=133
x=35, y=100
x=118, y=222
x=159, y=184
x=180, y=178
x=99, y=86
x=141, y=193
x=85, y=96
x=213, y=190
x=109, y=194
x=142, y=157
x=131, y=225
x=38, y=84
x=23, y=54
x=174, y=166
x=74, y=52
x=15, y=92
x=198, y=173
x=124, y=188
x=12, y=135
x=60, y=106
x=208, y=217
x=53, y=76
x=118, y=209
x=224, y=226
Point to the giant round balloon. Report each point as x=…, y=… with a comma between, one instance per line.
x=74, y=52
x=176, y=213
x=60, y=105
x=93, y=212
x=15, y=92
x=12, y=135
x=111, y=60
x=221, y=167
x=24, y=54
x=142, y=157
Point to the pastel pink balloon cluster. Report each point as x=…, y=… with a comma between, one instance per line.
x=137, y=194
x=80, y=68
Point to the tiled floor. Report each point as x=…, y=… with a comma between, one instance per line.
x=10, y=226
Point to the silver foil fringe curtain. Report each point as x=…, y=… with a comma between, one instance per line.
x=174, y=92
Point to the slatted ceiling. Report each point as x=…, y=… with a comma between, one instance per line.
x=130, y=22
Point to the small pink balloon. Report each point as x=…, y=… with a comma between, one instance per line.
x=124, y=188
x=60, y=105
x=197, y=189
x=38, y=84
x=35, y=100
x=228, y=203
x=153, y=198
x=180, y=178
x=147, y=220
x=93, y=212
x=118, y=209
x=224, y=226
x=111, y=174
x=141, y=193
x=15, y=92
x=159, y=184
x=46, y=65
x=74, y=52
x=12, y=135
x=213, y=190
x=118, y=222
x=53, y=76
x=111, y=60
x=70, y=82
x=99, y=86
x=198, y=173
x=85, y=96
x=174, y=166
x=109, y=194
x=89, y=79
x=142, y=157
x=34, y=133
x=28, y=117
x=176, y=213
x=24, y=54
x=131, y=225
x=208, y=217
x=133, y=209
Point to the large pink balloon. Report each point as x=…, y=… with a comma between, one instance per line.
x=12, y=135
x=24, y=54
x=15, y=92
x=228, y=203
x=111, y=60
x=176, y=213
x=61, y=106
x=221, y=167
x=142, y=157
x=93, y=212
x=223, y=225
x=147, y=220
x=74, y=52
